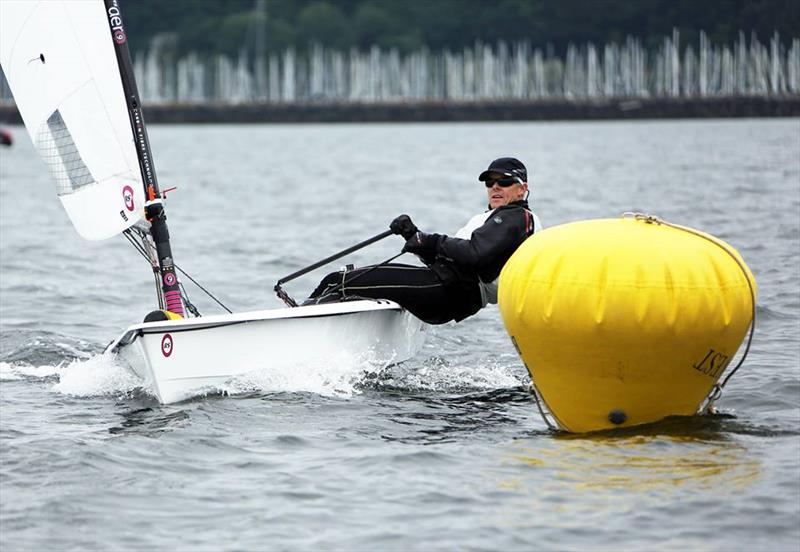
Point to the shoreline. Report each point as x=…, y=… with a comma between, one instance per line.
x=543, y=110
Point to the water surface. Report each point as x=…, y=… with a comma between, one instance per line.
x=445, y=451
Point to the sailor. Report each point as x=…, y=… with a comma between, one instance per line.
x=461, y=272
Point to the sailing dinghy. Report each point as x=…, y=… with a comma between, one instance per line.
x=68, y=65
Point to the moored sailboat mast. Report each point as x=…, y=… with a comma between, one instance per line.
x=154, y=206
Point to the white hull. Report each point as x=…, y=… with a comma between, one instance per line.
x=180, y=359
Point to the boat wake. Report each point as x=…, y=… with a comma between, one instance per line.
x=437, y=374
x=95, y=376
x=346, y=376
x=75, y=368
x=72, y=365
x=339, y=376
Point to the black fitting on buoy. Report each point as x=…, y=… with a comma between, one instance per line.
x=617, y=417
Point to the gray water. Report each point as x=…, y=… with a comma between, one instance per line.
x=443, y=452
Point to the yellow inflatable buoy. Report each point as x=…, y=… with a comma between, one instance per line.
x=625, y=321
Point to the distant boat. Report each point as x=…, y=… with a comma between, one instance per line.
x=5, y=137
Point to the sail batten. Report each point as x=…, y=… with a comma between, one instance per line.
x=67, y=87
x=57, y=147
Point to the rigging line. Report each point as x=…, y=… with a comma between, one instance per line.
x=140, y=248
x=204, y=289
x=188, y=304
x=368, y=270
x=340, y=286
x=129, y=234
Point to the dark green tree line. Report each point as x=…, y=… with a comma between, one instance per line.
x=228, y=26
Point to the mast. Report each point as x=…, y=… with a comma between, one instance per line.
x=154, y=206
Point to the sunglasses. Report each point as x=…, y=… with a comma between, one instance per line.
x=503, y=182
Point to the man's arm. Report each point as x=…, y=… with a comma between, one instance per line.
x=489, y=244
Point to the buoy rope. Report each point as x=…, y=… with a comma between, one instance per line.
x=535, y=392
x=716, y=390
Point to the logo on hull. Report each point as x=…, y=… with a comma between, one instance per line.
x=166, y=345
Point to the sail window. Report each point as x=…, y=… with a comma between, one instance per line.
x=56, y=146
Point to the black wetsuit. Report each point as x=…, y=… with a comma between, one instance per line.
x=448, y=288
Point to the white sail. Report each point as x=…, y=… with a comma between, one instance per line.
x=58, y=58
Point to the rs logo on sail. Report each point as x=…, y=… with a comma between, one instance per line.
x=127, y=195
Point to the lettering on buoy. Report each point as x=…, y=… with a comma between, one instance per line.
x=713, y=364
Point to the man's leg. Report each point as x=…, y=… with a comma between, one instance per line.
x=416, y=288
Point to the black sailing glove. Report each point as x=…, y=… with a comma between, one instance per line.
x=403, y=226
x=422, y=244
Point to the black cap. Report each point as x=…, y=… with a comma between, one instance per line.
x=507, y=166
